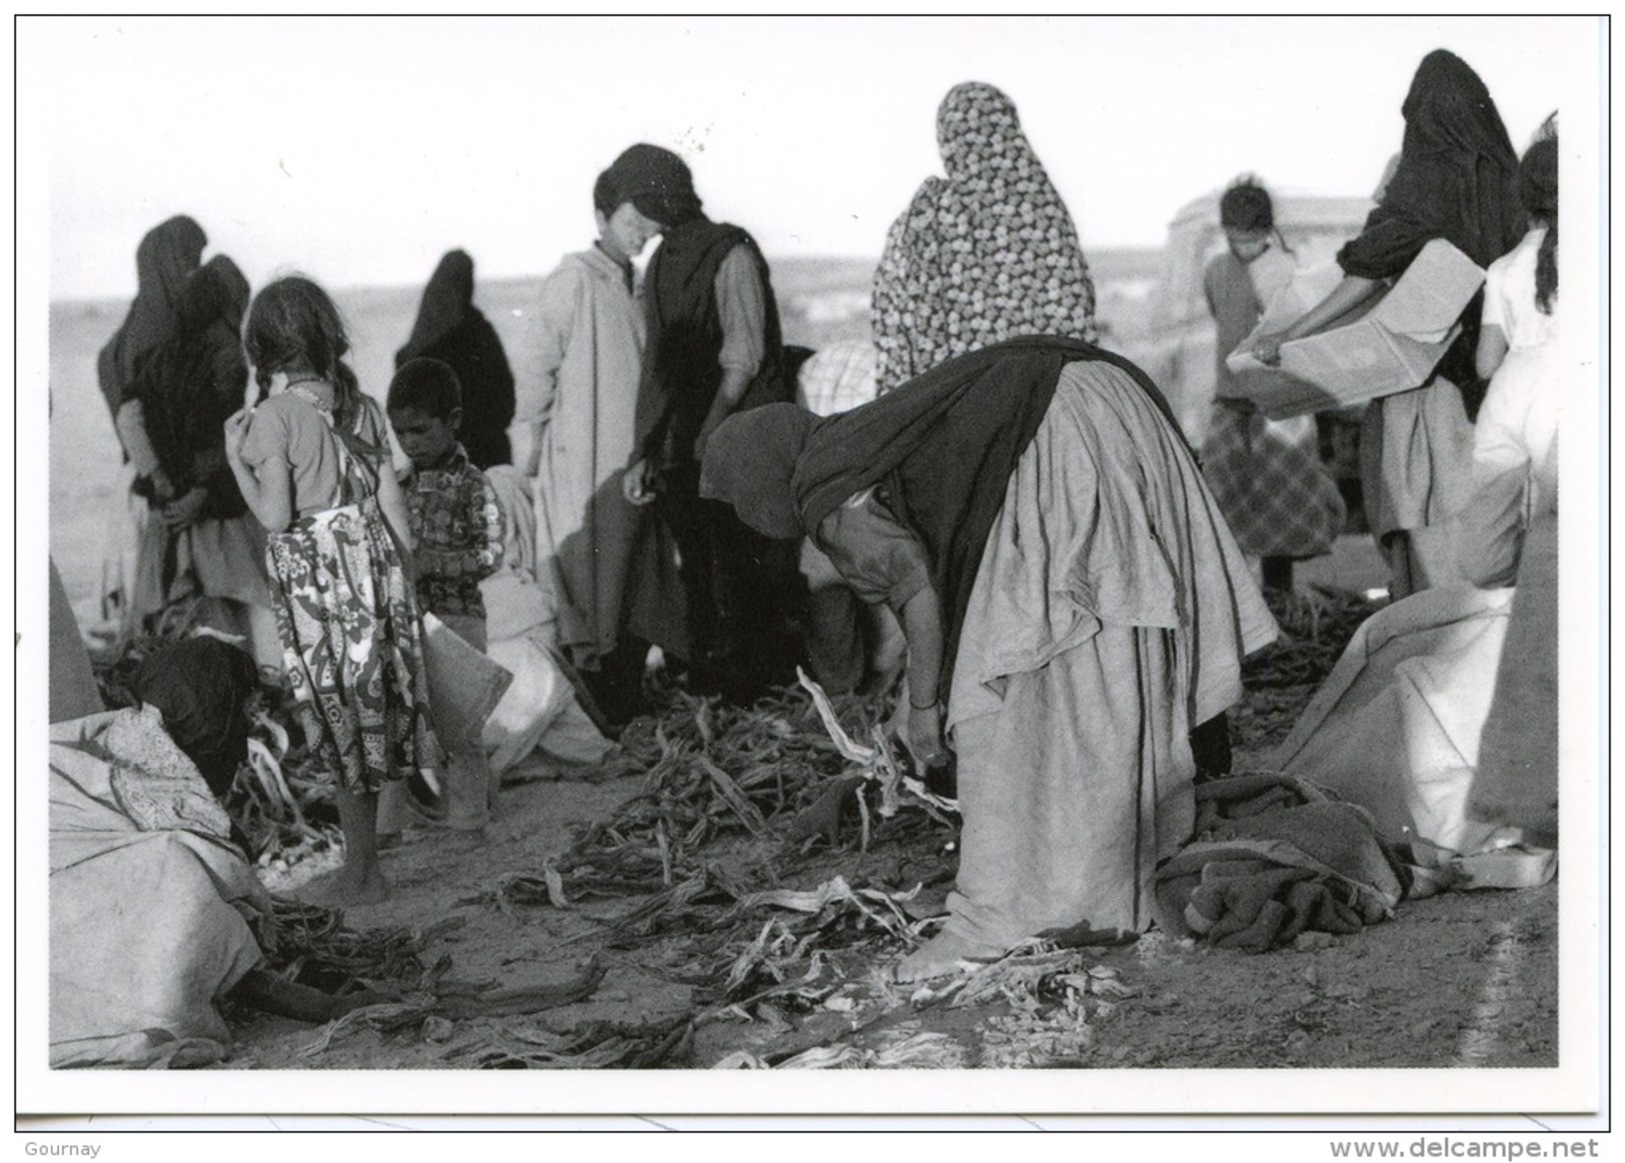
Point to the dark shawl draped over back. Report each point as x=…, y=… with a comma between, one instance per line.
x=167, y=254
x=1457, y=179
x=450, y=328
x=680, y=370
x=943, y=445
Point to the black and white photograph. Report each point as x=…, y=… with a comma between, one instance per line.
x=997, y=569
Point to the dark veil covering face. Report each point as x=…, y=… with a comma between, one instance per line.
x=1457, y=177
x=447, y=299
x=195, y=379
x=452, y=329
x=167, y=255
x=217, y=293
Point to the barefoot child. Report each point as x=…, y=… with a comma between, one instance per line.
x=312, y=461
x=457, y=529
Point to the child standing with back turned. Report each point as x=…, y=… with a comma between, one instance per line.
x=312, y=461
x=1266, y=475
x=457, y=528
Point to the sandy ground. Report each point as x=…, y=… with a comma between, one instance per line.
x=1465, y=979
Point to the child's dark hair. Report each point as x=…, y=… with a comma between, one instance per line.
x=429, y=385
x=1246, y=205
x=1537, y=185
x=294, y=327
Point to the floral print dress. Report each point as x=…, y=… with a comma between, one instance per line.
x=986, y=254
x=351, y=629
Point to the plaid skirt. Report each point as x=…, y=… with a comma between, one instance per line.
x=1268, y=479
x=352, y=644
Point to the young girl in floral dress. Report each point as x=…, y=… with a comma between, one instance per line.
x=312, y=460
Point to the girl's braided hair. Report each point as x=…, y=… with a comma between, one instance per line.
x=293, y=326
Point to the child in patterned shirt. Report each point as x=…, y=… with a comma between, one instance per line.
x=457, y=530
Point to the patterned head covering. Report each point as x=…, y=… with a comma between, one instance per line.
x=983, y=255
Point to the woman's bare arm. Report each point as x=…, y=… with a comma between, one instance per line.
x=1347, y=295
x=269, y=489
x=922, y=627
x=1492, y=349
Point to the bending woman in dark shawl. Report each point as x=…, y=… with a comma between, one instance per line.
x=450, y=328
x=1456, y=179
x=1074, y=605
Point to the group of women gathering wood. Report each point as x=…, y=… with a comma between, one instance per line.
x=1073, y=580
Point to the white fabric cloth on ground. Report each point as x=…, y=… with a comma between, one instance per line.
x=1395, y=727
x=1110, y=615
x=145, y=928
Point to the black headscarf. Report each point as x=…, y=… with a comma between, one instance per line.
x=167, y=255
x=944, y=445
x=752, y=466
x=1457, y=179
x=218, y=293
x=656, y=181
x=201, y=686
x=448, y=297
x=452, y=329
x=194, y=380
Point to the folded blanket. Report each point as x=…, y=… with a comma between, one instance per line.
x=1274, y=857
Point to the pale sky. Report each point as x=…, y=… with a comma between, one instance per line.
x=358, y=150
